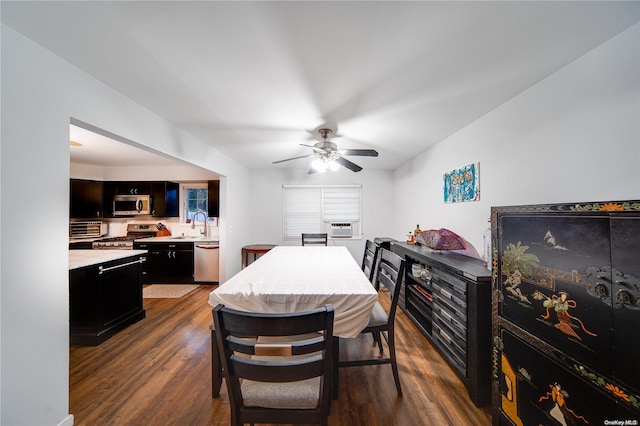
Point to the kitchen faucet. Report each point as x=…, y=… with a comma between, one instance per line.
x=193, y=222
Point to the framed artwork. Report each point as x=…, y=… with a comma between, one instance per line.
x=462, y=184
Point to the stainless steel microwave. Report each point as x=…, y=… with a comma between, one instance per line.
x=130, y=205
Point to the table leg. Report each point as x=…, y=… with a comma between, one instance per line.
x=336, y=359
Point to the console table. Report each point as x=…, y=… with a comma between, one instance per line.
x=256, y=250
x=451, y=304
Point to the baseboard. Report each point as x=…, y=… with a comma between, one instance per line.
x=68, y=421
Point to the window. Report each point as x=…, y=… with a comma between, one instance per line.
x=312, y=208
x=195, y=200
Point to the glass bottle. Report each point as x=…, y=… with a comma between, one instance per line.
x=486, y=242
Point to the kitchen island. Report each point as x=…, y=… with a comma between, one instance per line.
x=105, y=293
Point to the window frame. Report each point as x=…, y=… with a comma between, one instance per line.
x=184, y=187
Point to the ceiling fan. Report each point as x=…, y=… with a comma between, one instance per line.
x=329, y=156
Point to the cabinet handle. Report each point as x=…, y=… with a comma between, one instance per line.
x=446, y=315
x=102, y=269
x=445, y=336
x=445, y=293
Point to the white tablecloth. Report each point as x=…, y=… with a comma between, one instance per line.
x=295, y=279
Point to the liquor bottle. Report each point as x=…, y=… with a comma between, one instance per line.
x=417, y=230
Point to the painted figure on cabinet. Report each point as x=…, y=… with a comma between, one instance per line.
x=563, y=414
x=561, y=304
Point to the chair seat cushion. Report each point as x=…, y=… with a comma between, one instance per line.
x=291, y=395
x=378, y=316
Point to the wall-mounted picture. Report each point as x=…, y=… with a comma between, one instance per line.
x=462, y=184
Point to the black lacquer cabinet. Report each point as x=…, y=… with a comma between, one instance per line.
x=566, y=313
x=450, y=302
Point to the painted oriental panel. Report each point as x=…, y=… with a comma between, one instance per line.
x=568, y=284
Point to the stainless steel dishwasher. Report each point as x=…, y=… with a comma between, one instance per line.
x=206, y=261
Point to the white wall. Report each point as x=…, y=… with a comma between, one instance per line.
x=574, y=137
x=177, y=173
x=266, y=203
x=40, y=93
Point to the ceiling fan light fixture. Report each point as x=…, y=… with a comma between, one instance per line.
x=333, y=166
x=329, y=157
x=319, y=166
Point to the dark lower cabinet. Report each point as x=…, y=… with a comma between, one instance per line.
x=167, y=263
x=104, y=299
x=450, y=302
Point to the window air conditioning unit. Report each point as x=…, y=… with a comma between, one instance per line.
x=340, y=230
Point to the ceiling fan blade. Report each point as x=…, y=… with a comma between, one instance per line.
x=348, y=164
x=294, y=158
x=315, y=148
x=360, y=152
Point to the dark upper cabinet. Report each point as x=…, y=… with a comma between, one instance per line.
x=214, y=198
x=86, y=200
x=108, y=191
x=132, y=188
x=164, y=196
x=165, y=199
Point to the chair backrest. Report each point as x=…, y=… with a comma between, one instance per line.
x=389, y=273
x=278, y=357
x=369, y=258
x=314, y=239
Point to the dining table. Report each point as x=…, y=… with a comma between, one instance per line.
x=297, y=279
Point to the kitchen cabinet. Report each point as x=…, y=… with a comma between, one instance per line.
x=164, y=196
x=213, y=198
x=565, y=312
x=132, y=188
x=165, y=199
x=167, y=262
x=450, y=302
x=105, y=298
x=85, y=199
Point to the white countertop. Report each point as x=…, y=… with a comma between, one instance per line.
x=81, y=258
x=178, y=239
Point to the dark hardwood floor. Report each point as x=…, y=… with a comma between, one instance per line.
x=158, y=372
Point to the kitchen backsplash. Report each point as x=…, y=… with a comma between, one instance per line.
x=117, y=228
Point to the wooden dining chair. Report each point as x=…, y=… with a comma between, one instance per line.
x=369, y=259
x=388, y=274
x=277, y=367
x=314, y=239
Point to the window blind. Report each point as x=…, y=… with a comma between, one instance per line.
x=308, y=208
x=301, y=211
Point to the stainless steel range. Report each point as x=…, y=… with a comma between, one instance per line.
x=134, y=231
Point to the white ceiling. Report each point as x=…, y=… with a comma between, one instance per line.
x=253, y=79
x=100, y=150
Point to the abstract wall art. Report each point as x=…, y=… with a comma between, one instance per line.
x=462, y=184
